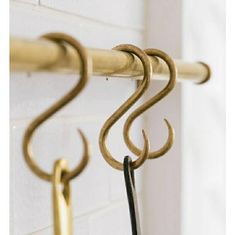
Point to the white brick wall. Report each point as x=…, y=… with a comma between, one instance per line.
x=181, y=193
x=99, y=198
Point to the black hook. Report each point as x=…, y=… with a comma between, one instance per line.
x=131, y=195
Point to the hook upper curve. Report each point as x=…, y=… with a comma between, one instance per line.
x=124, y=108
x=60, y=38
x=165, y=91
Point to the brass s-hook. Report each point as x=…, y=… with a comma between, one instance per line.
x=60, y=38
x=123, y=109
x=170, y=85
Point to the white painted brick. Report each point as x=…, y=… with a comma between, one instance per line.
x=102, y=96
x=27, y=192
x=91, y=34
x=98, y=195
x=81, y=226
x=35, y=194
x=123, y=13
x=98, y=179
x=35, y=2
x=114, y=220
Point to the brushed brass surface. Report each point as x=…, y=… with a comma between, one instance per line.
x=61, y=195
x=48, y=56
x=59, y=38
x=207, y=78
x=148, y=104
x=124, y=108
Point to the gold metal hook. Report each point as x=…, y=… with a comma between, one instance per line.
x=61, y=193
x=170, y=85
x=123, y=109
x=60, y=38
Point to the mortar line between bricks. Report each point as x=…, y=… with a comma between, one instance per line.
x=40, y=7
x=87, y=215
x=107, y=207
x=102, y=22
x=59, y=119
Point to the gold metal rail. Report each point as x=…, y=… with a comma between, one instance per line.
x=44, y=55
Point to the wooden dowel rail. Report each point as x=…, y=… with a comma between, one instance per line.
x=42, y=55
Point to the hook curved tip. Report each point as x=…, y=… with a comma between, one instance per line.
x=169, y=126
x=166, y=121
x=170, y=129
x=80, y=132
x=143, y=132
x=85, y=142
x=169, y=143
x=145, y=135
x=146, y=142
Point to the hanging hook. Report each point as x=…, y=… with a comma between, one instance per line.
x=170, y=85
x=60, y=38
x=123, y=109
x=129, y=177
x=61, y=193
